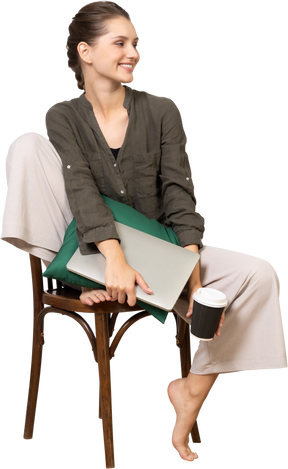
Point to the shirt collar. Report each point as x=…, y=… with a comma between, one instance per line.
x=126, y=103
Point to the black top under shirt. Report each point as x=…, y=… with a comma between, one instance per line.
x=115, y=152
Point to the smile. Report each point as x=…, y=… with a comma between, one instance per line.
x=127, y=66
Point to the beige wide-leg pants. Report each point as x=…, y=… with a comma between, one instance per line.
x=37, y=214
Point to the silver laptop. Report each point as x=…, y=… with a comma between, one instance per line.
x=165, y=267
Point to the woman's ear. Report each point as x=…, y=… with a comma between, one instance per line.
x=84, y=52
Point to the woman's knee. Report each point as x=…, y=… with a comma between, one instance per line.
x=27, y=139
x=26, y=149
x=24, y=142
x=263, y=274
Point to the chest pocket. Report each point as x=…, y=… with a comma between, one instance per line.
x=146, y=172
x=96, y=166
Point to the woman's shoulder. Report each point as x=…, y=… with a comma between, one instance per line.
x=151, y=96
x=63, y=109
x=157, y=102
x=65, y=102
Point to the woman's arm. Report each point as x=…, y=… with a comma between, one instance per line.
x=177, y=186
x=94, y=218
x=194, y=280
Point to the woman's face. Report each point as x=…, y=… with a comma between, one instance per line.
x=115, y=55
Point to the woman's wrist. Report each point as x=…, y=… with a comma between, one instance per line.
x=111, y=249
x=194, y=281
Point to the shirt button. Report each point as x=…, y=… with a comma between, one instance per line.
x=122, y=192
x=68, y=166
x=115, y=164
x=187, y=179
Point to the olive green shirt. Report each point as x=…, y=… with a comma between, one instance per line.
x=151, y=174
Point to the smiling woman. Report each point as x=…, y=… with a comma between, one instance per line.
x=88, y=25
x=132, y=145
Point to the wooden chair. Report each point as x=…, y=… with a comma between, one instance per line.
x=66, y=301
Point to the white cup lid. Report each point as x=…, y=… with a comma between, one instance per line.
x=210, y=297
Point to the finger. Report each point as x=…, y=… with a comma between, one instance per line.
x=222, y=320
x=220, y=324
x=218, y=330
x=113, y=292
x=190, y=308
x=131, y=296
x=121, y=296
x=141, y=282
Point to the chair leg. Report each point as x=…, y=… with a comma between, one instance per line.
x=33, y=388
x=35, y=356
x=102, y=335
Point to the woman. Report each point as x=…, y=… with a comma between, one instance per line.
x=148, y=169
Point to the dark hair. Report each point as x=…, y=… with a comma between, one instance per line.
x=87, y=25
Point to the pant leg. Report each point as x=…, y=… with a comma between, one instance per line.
x=252, y=333
x=37, y=211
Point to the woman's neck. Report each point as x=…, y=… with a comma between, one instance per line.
x=106, y=99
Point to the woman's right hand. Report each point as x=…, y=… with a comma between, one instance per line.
x=120, y=280
x=120, y=277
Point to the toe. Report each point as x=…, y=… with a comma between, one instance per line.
x=95, y=298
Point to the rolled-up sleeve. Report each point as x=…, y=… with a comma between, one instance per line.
x=94, y=219
x=177, y=186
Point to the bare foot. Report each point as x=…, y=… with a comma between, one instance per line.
x=186, y=414
x=89, y=296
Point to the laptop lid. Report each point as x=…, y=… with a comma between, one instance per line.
x=164, y=266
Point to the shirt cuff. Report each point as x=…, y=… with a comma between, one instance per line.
x=87, y=241
x=190, y=237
